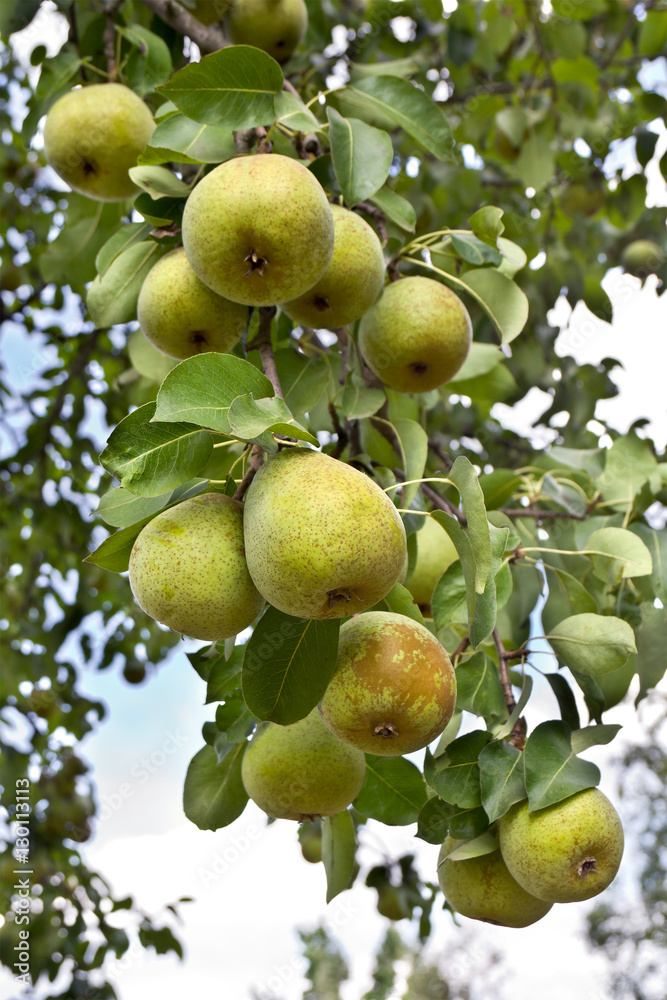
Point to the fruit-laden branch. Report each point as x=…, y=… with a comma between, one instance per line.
x=256, y=461
x=207, y=39
x=376, y=214
x=109, y=37
x=518, y=734
x=262, y=343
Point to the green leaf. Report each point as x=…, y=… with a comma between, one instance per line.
x=361, y=156
x=338, y=848
x=127, y=236
x=593, y=644
x=213, y=795
x=358, y=400
x=625, y=555
x=653, y=34
x=486, y=224
x=592, y=736
x=449, y=603
x=482, y=358
x=438, y=818
x=474, y=251
x=234, y=87
x=553, y=771
x=121, y=508
x=201, y=389
x=567, y=703
x=498, y=487
x=112, y=297
x=400, y=601
x=486, y=843
x=287, y=666
x=159, y=182
x=303, y=380
x=413, y=444
x=478, y=688
x=502, y=779
x=464, y=477
x=149, y=458
x=182, y=140
x=224, y=676
x=568, y=496
x=114, y=552
x=256, y=419
x=397, y=209
x=293, y=113
x=656, y=543
x=387, y=67
x=409, y=108
x=629, y=464
x=454, y=774
x=536, y=165
x=150, y=62
x=393, y=791
x=502, y=300
x=70, y=257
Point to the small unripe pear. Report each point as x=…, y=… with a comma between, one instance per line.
x=322, y=539
x=416, y=336
x=643, y=257
x=210, y=11
x=483, y=889
x=351, y=283
x=258, y=229
x=394, y=688
x=301, y=771
x=277, y=26
x=181, y=316
x=94, y=135
x=566, y=852
x=435, y=553
x=188, y=569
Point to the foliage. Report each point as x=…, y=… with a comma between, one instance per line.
x=500, y=123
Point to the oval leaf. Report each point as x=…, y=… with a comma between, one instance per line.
x=617, y=554
x=410, y=108
x=338, y=847
x=553, y=771
x=112, y=297
x=593, y=644
x=213, y=795
x=393, y=791
x=361, y=156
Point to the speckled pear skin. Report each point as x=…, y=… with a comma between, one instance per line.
x=394, y=688
x=352, y=281
x=258, y=229
x=417, y=336
x=277, y=26
x=93, y=135
x=301, y=771
x=322, y=539
x=180, y=316
x=483, y=889
x=553, y=852
x=188, y=569
x=435, y=553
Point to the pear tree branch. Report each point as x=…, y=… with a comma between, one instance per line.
x=518, y=734
x=109, y=37
x=262, y=343
x=207, y=39
x=256, y=462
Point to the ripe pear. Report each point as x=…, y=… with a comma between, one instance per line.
x=483, y=889
x=417, y=336
x=301, y=771
x=642, y=257
x=277, y=26
x=181, y=316
x=566, y=852
x=93, y=135
x=351, y=283
x=259, y=229
x=322, y=539
x=394, y=688
x=435, y=553
x=188, y=569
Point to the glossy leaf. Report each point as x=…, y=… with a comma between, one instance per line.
x=112, y=298
x=502, y=781
x=393, y=791
x=553, y=771
x=213, y=795
x=338, y=850
x=361, y=156
x=593, y=644
x=253, y=419
x=409, y=108
x=617, y=554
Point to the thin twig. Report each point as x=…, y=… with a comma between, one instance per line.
x=622, y=35
x=460, y=649
x=518, y=734
x=344, y=344
x=109, y=37
x=256, y=461
x=541, y=514
x=443, y=504
x=207, y=39
x=376, y=214
x=437, y=450
x=262, y=343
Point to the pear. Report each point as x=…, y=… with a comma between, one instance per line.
x=351, y=283
x=483, y=889
x=394, y=688
x=188, y=569
x=643, y=257
x=93, y=135
x=146, y=359
x=259, y=229
x=417, y=336
x=322, y=539
x=566, y=852
x=435, y=553
x=210, y=11
x=181, y=316
x=301, y=771
x=277, y=26
x=310, y=840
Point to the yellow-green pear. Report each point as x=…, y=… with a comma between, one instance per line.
x=566, y=852
x=322, y=539
x=188, y=569
x=93, y=135
x=259, y=229
x=394, y=688
x=301, y=771
x=483, y=889
x=642, y=257
x=181, y=316
x=416, y=336
x=351, y=283
x=210, y=11
x=435, y=553
x=277, y=26
x=146, y=359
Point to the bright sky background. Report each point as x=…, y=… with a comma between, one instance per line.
x=239, y=932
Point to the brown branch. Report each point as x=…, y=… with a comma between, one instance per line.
x=109, y=37
x=443, y=504
x=544, y=55
x=207, y=39
x=376, y=214
x=341, y=433
x=518, y=734
x=344, y=344
x=437, y=450
x=262, y=343
x=460, y=649
x=622, y=35
x=541, y=514
x=256, y=462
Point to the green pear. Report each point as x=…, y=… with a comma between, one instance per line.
x=188, y=569
x=94, y=135
x=210, y=11
x=392, y=903
x=417, y=336
x=566, y=852
x=322, y=539
x=643, y=256
x=310, y=840
x=181, y=316
x=277, y=26
x=259, y=229
x=483, y=889
x=146, y=359
x=435, y=553
x=301, y=771
x=394, y=688
x=351, y=283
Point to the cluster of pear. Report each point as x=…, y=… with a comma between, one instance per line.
x=565, y=853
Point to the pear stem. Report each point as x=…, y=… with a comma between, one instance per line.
x=262, y=343
x=518, y=734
